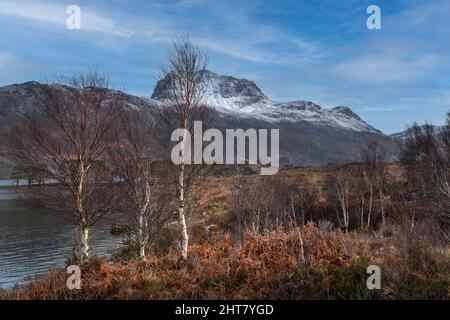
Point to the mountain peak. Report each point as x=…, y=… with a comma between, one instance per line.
x=309, y=134
x=228, y=95
x=244, y=98
x=344, y=110
x=219, y=86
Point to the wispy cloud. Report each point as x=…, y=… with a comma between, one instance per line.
x=315, y=50
x=251, y=41
x=56, y=14
x=386, y=68
x=254, y=51
x=384, y=108
x=5, y=59
x=13, y=69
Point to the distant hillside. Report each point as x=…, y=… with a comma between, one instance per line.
x=309, y=134
x=400, y=136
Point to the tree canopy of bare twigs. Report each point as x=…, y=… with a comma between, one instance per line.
x=340, y=186
x=68, y=137
x=143, y=192
x=373, y=158
x=426, y=154
x=183, y=97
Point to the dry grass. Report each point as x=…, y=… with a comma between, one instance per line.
x=329, y=265
x=219, y=271
x=265, y=266
x=213, y=195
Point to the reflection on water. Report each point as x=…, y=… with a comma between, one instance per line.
x=21, y=182
x=30, y=242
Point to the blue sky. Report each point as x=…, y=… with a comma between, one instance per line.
x=294, y=50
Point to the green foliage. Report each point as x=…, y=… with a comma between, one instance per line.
x=350, y=282
x=127, y=252
x=30, y=173
x=346, y=282
x=98, y=164
x=424, y=274
x=199, y=234
x=150, y=288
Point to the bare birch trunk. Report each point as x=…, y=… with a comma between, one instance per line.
x=383, y=218
x=185, y=94
x=143, y=223
x=300, y=238
x=84, y=236
x=84, y=242
x=342, y=191
x=142, y=252
x=184, y=234
x=362, y=211
x=79, y=123
x=413, y=218
x=369, y=215
x=141, y=236
x=347, y=213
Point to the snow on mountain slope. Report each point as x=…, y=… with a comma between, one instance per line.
x=243, y=98
x=308, y=133
x=403, y=135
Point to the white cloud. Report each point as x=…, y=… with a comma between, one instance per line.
x=385, y=68
x=5, y=59
x=274, y=50
x=384, y=108
x=13, y=69
x=246, y=40
x=427, y=15
x=56, y=14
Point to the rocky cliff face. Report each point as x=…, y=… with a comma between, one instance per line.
x=309, y=134
x=242, y=98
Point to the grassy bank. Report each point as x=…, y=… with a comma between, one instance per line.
x=329, y=265
x=287, y=260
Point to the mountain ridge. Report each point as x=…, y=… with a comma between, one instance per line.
x=403, y=135
x=243, y=97
x=309, y=134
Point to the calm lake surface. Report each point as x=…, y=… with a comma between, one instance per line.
x=31, y=242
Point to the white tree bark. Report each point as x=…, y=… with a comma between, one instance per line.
x=383, y=217
x=184, y=233
x=84, y=242
x=362, y=210
x=369, y=215
x=141, y=236
x=84, y=228
x=142, y=252
x=184, y=99
x=143, y=222
x=181, y=200
x=342, y=192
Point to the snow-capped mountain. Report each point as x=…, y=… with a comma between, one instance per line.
x=243, y=98
x=309, y=134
